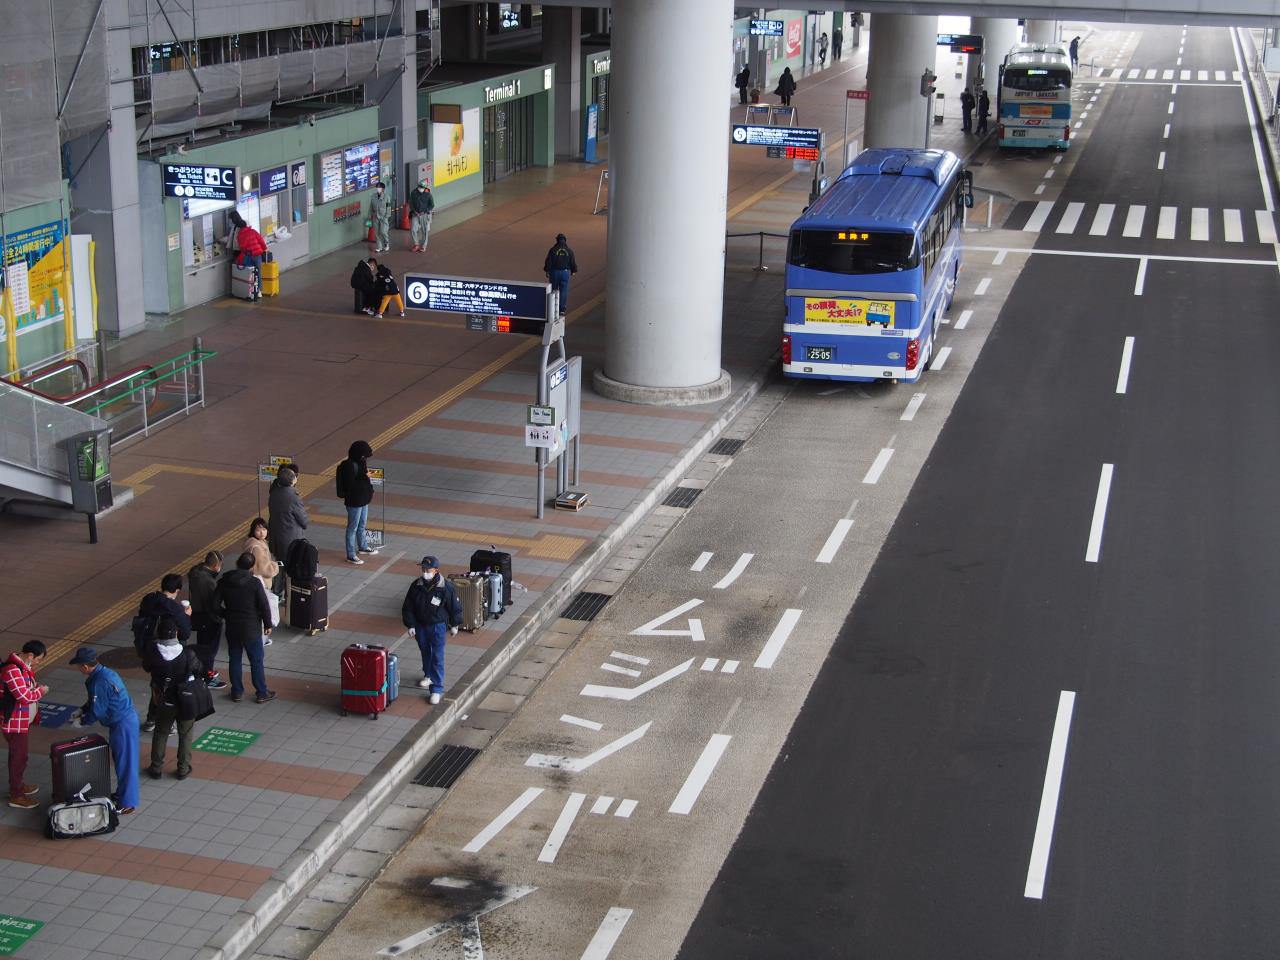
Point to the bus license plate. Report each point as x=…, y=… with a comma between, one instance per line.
x=819, y=353
x=1015, y=132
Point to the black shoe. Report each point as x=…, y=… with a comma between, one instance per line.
x=237, y=697
x=155, y=773
x=183, y=774
x=148, y=726
x=265, y=697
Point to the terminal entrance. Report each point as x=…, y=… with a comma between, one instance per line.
x=508, y=138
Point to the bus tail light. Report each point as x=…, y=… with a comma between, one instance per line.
x=786, y=348
x=1000, y=130
x=913, y=353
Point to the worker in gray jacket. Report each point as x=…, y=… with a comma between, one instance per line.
x=380, y=215
x=422, y=206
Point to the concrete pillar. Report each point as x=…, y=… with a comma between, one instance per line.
x=997, y=37
x=902, y=47
x=397, y=99
x=667, y=203
x=562, y=45
x=462, y=32
x=1042, y=31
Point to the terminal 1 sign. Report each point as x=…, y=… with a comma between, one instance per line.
x=476, y=295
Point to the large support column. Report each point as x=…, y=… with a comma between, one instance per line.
x=1042, y=31
x=462, y=32
x=997, y=37
x=902, y=48
x=667, y=203
x=562, y=45
x=397, y=99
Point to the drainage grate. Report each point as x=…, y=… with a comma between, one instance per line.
x=585, y=606
x=682, y=497
x=444, y=769
x=727, y=448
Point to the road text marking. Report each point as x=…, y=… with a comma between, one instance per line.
x=702, y=561
x=734, y=573
x=607, y=934
x=500, y=822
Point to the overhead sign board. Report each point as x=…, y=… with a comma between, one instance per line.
x=767, y=28
x=274, y=180
x=753, y=135
x=857, y=94
x=199, y=182
x=961, y=42
x=476, y=295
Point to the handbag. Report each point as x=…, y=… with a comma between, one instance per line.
x=81, y=817
x=274, y=603
x=194, y=701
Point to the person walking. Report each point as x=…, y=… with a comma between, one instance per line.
x=242, y=604
x=422, y=207
x=1075, y=53
x=202, y=583
x=786, y=88
x=837, y=40
x=287, y=515
x=984, y=111
x=966, y=111
x=388, y=291
x=21, y=694
x=356, y=490
x=559, y=266
x=364, y=281
x=109, y=704
x=822, y=50
x=170, y=665
x=430, y=609
x=743, y=81
x=380, y=217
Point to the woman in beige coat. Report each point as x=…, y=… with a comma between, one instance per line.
x=265, y=568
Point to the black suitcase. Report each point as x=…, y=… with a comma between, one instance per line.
x=309, y=605
x=484, y=560
x=359, y=305
x=80, y=763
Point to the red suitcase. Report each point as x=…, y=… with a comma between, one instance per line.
x=84, y=761
x=364, y=680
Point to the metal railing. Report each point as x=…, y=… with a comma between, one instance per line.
x=31, y=428
x=761, y=234
x=136, y=400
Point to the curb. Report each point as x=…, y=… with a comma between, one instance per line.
x=357, y=811
x=1245, y=40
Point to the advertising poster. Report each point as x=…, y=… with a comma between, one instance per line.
x=455, y=147
x=330, y=176
x=849, y=311
x=360, y=166
x=795, y=38
x=35, y=270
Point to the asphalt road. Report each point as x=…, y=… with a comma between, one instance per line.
x=900, y=818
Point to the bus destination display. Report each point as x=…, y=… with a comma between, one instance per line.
x=476, y=295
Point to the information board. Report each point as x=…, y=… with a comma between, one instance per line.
x=360, y=166
x=767, y=28
x=330, y=165
x=753, y=135
x=199, y=182
x=961, y=42
x=476, y=295
x=231, y=743
x=273, y=180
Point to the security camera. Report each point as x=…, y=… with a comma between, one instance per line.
x=311, y=119
x=182, y=148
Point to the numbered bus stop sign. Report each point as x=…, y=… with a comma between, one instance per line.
x=476, y=295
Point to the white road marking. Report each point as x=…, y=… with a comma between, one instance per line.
x=1094, y=549
x=630, y=658
x=941, y=359
x=709, y=664
x=502, y=820
x=1048, y=174
x=965, y=317
x=650, y=629
x=1220, y=75
x=625, y=809
x=1168, y=75
x=1263, y=176
x=1070, y=218
x=625, y=671
x=1232, y=228
x=549, y=761
x=1133, y=74
x=1079, y=124
x=555, y=839
x=1167, y=127
x=982, y=286
x=1039, y=189
x=1167, y=226
x=1266, y=226
x=730, y=666
x=1039, y=865
x=1167, y=258
x=602, y=805
x=1202, y=75
x=913, y=405
x=1186, y=74
x=1133, y=220
x=1150, y=74
x=1235, y=75
x=1102, y=219
x=1126, y=360
x=466, y=923
x=1057, y=160
x=999, y=257
x=1199, y=223
x=579, y=722
x=778, y=639
x=735, y=572
x=701, y=563
x=700, y=774
x=631, y=693
x=945, y=320
x=1179, y=63
x=607, y=934
x=1160, y=161
x=877, y=466
x=1141, y=281
x=834, y=540
x=1038, y=216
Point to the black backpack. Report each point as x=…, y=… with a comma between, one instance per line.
x=302, y=561
x=144, y=626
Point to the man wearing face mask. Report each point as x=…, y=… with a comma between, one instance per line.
x=380, y=214
x=422, y=206
x=430, y=609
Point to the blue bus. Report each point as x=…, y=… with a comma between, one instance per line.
x=1034, y=99
x=872, y=265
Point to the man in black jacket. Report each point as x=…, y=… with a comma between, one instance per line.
x=153, y=608
x=356, y=490
x=202, y=582
x=242, y=604
x=430, y=608
x=422, y=206
x=362, y=281
x=170, y=665
x=559, y=266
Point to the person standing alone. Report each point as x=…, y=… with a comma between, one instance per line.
x=356, y=490
x=559, y=265
x=422, y=206
x=786, y=88
x=822, y=50
x=984, y=111
x=966, y=111
x=202, y=583
x=380, y=215
x=21, y=694
x=742, y=81
x=430, y=608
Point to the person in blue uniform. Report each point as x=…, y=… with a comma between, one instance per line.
x=109, y=704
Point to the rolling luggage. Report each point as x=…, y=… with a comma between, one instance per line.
x=243, y=281
x=393, y=678
x=482, y=561
x=80, y=765
x=81, y=817
x=495, y=594
x=309, y=605
x=364, y=680
x=471, y=596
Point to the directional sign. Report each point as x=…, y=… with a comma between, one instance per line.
x=857, y=94
x=199, y=182
x=476, y=295
x=767, y=28
x=961, y=42
x=752, y=135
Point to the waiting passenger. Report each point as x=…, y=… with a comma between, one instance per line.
x=786, y=88
x=387, y=291
x=364, y=282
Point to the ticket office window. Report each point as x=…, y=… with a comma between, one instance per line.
x=203, y=236
x=287, y=208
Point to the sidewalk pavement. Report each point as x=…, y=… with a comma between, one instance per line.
x=206, y=864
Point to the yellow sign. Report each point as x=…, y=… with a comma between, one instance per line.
x=455, y=148
x=849, y=311
x=1035, y=110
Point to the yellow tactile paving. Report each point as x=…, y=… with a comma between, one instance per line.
x=548, y=546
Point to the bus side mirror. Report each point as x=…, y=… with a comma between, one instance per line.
x=968, y=200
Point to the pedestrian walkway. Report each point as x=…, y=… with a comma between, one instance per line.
x=1136, y=221
x=1165, y=74
x=277, y=789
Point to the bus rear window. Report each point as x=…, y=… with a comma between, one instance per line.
x=852, y=251
x=1037, y=78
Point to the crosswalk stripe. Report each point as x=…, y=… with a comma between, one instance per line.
x=1202, y=75
x=1133, y=74
x=1220, y=75
x=1168, y=75
x=1232, y=230
x=1117, y=73
x=1039, y=216
x=1102, y=220
x=1235, y=75
x=1133, y=221
x=1151, y=74
x=1266, y=226
x=1199, y=223
x=1167, y=226
x=1070, y=218
x=1186, y=75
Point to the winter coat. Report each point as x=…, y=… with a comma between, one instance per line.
x=353, y=483
x=20, y=686
x=249, y=241
x=158, y=605
x=264, y=568
x=380, y=206
x=786, y=85
x=287, y=517
x=557, y=259
x=743, y=79
x=170, y=664
x=966, y=102
x=386, y=281
x=418, y=610
x=421, y=201
x=242, y=603
x=984, y=105
x=201, y=585
x=362, y=278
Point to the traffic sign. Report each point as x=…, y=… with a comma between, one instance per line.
x=961, y=42
x=857, y=94
x=476, y=295
x=753, y=135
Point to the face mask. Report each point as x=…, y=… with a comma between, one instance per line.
x=427, y=576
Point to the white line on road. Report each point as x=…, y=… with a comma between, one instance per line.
x=1185, y=74
x=1048, y=174
x=1038, y=216
x=1139, y=283
x=1070, y=218
x=1126, y=360
x=1102, y=220
x=965, y=317
x=730, y=666
x=877, y=466
x=625, y=809
x=1266, y=226
x=1038, y=190
x=700, y=774
x=549, y=761
x=982, y=287
x=630, y=658
x=1150, y=74
x=778, y=639
x=701, y=563
x=607, y=934
x=735, y=572
x=1167, y=226
x=829, y=549
x=1171, y=106
x=709, y=664
x=579, y=722
x=568, y=813
x=913, y=405
x=1167, y=127
x=1232, y=227
x=1133, y=220
x=1092, y=551
x=1202, y=75
x=1160, y=161
x=466, y=923
x=1167, y=75
x=650, y=629
x=941, y=359
x=1039, y=865
x=631, y=693
x=1199, y=223
x=625, y=671
x=999, y=257
x=500, y=822
x=601, y=806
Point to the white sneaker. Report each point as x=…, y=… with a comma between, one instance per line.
x=370, y=551
x=425, y=683
x=355, y=560
x=435, y=698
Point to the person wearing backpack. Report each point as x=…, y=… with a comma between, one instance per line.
x=356, y=490
x=171, y=665
x=559, y=266
x=21, y=694
x=388, y=290
x=154, y=606
x=202, y=581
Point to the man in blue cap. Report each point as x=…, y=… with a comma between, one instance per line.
x=431, y=609
x=109, y=704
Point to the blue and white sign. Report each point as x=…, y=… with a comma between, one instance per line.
x=767, y=28
x=273, y=180
x=55, y=715
x=753, y=135
x=198, y=182
x=476, y=295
